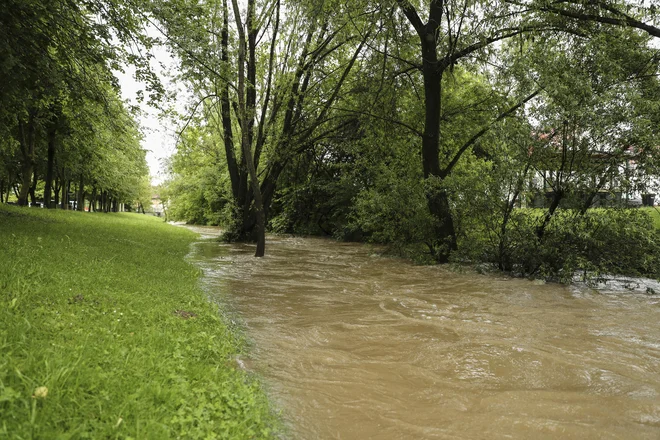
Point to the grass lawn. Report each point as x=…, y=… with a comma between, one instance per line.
x=105, y=333
x=655, y=213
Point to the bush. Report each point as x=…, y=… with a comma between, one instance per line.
x=602, y=241
x=394, y=213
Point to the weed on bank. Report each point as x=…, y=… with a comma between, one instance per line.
x=105, y=333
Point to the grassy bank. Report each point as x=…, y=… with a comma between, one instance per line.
x=655, y=214
x=104, y=333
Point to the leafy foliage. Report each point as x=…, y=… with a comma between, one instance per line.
x=61, y=117
x=426, y=126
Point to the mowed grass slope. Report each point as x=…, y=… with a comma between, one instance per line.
x=654, y=212
x=103, y=311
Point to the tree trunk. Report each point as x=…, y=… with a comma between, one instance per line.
x=225, y=108
x=246, y=114
x=432, y=71
x=556, y=199
x=64, y=202
x=437, y=199
x=504, y=260
x=33, y=187
x=27, y=133
x=56, y=196
x=81, y=194
x=48, y=190
x=92, y=200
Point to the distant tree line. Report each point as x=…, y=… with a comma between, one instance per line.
x=65, y=135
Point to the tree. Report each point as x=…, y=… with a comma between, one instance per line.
x=57, y=58
x=282, y=102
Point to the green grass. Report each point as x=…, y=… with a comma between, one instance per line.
x=655, y=214
x=92, y=308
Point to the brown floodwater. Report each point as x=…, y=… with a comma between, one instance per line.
x=354, y=345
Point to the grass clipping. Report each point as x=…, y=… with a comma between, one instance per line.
x=104, y=333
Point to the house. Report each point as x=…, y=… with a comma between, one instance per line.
x=581, y=175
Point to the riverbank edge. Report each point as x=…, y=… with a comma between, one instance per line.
x=598, y=281
x=106, y=332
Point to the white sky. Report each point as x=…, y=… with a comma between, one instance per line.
x=159, y=134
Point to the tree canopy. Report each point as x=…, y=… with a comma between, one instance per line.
x=460, y=129
x=61, y=117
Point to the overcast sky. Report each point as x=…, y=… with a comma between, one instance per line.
x=159, y=135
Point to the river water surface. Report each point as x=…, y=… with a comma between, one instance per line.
x=353, y=345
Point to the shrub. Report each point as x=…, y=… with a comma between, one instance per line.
x=602, y=241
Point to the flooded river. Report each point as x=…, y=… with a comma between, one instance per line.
x=353, y=345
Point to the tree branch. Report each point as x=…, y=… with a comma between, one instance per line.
x=445, y=172
x=382, y=118
x=412, y=16
x=192, y=115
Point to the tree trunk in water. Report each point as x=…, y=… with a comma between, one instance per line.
x=247, y=117
x=437, y=199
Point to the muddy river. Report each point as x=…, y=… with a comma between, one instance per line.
x=354, y=345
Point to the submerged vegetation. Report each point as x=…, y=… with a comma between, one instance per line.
x=105, y=333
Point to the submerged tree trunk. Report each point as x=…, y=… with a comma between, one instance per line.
x=247, y=105
x=432, y=72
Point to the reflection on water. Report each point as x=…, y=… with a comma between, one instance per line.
x=357, y=346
